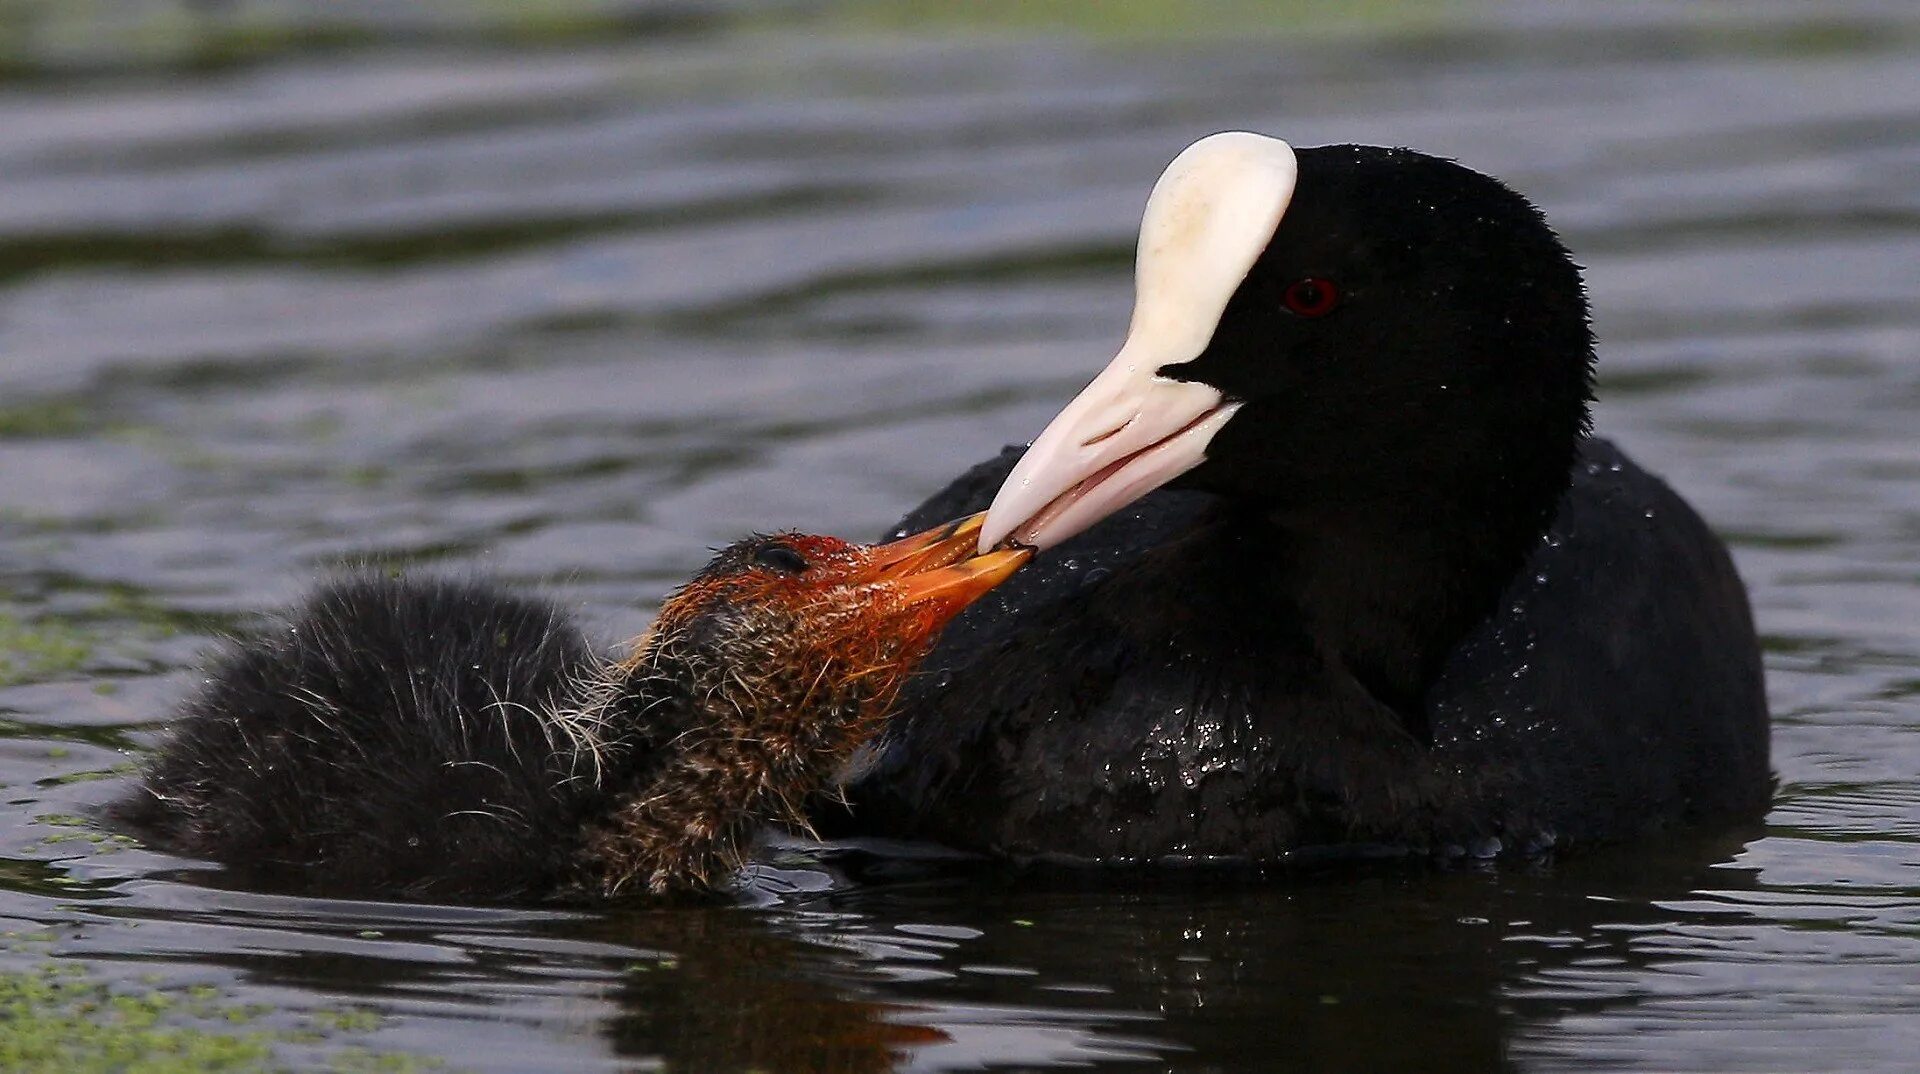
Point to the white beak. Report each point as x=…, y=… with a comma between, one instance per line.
x=1209, y=218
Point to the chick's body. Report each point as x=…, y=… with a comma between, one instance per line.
x=427, y=738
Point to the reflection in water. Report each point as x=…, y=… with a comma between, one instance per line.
x=739, y=994
x=332, y=278
x=1393, y=969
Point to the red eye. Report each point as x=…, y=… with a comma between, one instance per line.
x=1311, y=297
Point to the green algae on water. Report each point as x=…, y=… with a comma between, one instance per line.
x=55, y=1018
x=42, y=420
x=51, y=1020
x=31, y=651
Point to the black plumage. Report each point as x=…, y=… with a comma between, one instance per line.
x=391, y=735
x=1405, y=602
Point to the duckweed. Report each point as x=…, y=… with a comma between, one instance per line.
x=39, y=650
x=53, y=1021
x=55, y=1018
x=26, y=421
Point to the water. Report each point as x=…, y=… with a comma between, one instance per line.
x=569, y=294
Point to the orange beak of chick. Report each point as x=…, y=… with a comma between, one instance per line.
x=938, y=568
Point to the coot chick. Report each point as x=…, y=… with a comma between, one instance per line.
x=428, y=738
x=1363, y=581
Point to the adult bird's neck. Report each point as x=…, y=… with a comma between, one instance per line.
x=1387, y=595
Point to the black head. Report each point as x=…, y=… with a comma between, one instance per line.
x=1343, y=332
x=1413, y=331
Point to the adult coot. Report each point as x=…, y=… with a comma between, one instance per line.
x=1388, y=593
x=436, y=738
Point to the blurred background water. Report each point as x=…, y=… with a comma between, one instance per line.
x=570, y=291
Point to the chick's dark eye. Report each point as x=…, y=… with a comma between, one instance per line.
x=1311, y=297
x=779, y=557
